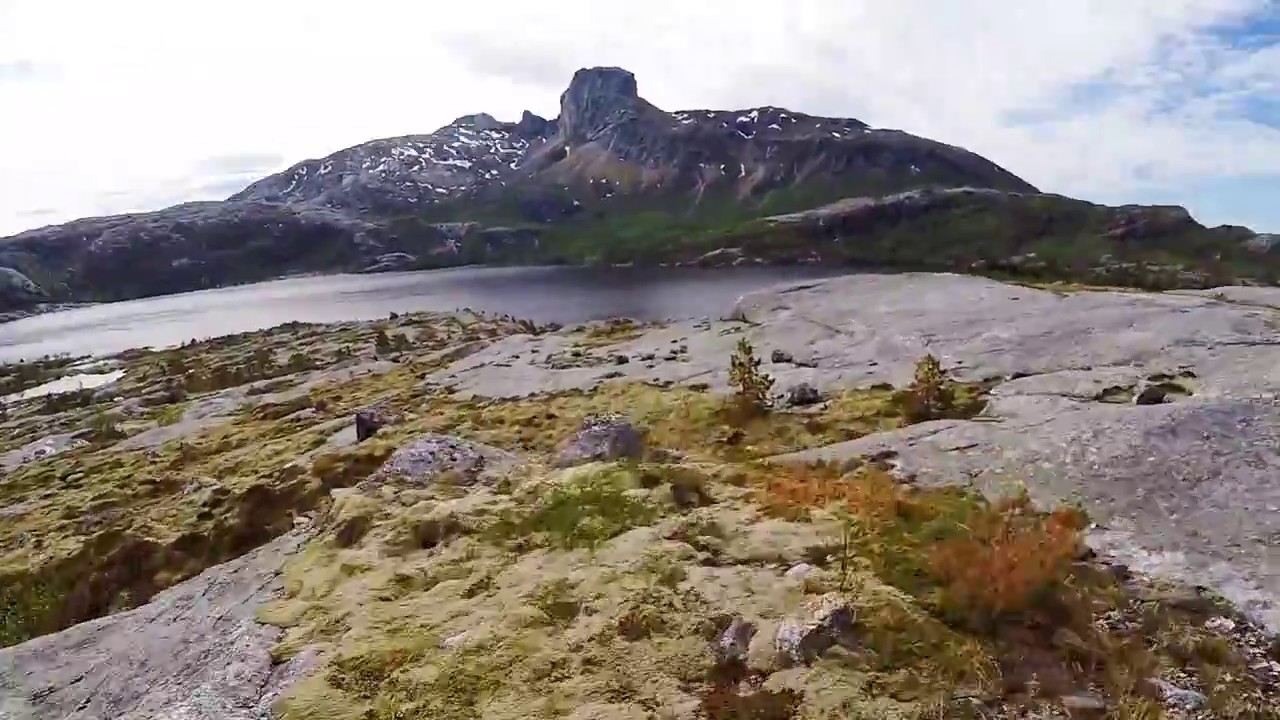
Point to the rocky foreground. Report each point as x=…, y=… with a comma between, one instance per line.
x=454, y=516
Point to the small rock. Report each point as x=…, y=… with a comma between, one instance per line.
x=1150, y=395
x=648, y=357
x=799, y=571
x=828, y=621
x=1083, y=702
x=735, y=641
x=373, y=418
x=803, y=394
x=1176, y=697
x=106, y=394
x=781, y=356
x=1220, y=625
x=621, y=359
x=602, y=438
x=454, y=641
x=303, y=415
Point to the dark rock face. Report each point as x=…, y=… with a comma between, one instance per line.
x=373, y=418
x=17, y=290
x=597, y=99
x=533, y=126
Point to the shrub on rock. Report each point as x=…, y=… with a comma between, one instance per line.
x=751, y=384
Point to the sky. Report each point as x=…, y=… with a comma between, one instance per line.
x=130, y=105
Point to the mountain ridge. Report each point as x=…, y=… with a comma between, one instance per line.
x=612, y=179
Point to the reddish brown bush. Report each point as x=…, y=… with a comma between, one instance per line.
x=1010, y=555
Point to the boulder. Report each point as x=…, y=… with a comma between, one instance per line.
x=826, y=622
x=602, y=438
x=734, y=643
x=803, y=394
x=428, y=456
x=1178, y=698
x=781, y=356
x=373, y=418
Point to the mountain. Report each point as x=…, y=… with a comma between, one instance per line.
x=615, y=179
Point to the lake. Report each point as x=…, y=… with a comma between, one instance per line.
x=544, y=294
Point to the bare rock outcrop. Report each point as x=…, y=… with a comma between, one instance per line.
x=1159, y=411
x=193, y=653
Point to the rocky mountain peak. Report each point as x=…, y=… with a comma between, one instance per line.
x=610, y=161
x=531, y=125
x=596, y=99
x=479, y=121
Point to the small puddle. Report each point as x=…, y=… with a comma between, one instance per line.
x=82, y=381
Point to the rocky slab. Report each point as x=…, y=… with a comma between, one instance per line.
x=1184, y=488
x=193, y=653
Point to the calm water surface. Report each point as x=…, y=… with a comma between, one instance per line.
x=564, y=295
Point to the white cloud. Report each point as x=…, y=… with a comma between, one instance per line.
x=146, y=91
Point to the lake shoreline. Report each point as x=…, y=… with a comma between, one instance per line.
x=543, y=294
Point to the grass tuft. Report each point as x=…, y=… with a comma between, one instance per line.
x=588, y=509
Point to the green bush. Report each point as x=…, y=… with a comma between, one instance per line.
x=582, y=513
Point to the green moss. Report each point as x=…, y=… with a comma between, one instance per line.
x=170, y=414
x=584, y=511
x=29, y=607
x=19, y=376
x=554, y=599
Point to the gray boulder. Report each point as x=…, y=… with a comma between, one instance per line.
x=827, y=622
x=428, y=456
x=1178, y=698
x=803, y=394
x=735, y=642
x=602, y=438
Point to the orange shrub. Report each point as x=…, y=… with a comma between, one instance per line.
x=791, y=491
x=1010, y=556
